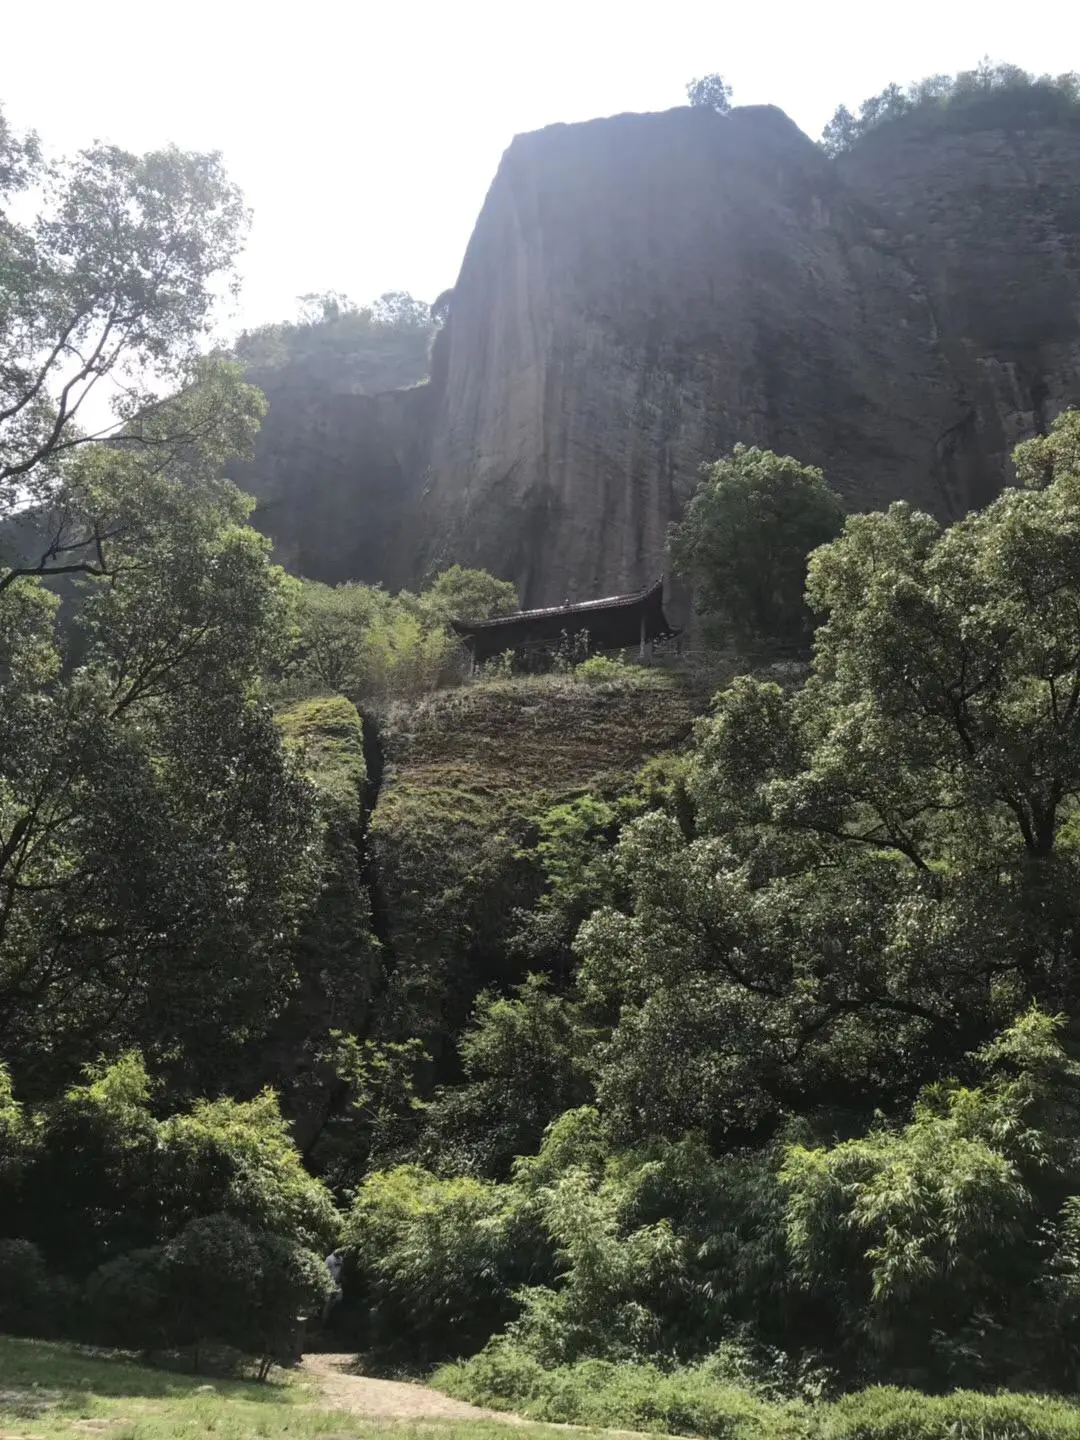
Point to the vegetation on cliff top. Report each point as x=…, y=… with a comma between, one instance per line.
x=990, y=94
x=336, y=344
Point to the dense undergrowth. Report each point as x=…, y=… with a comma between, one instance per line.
x=989, y=96
x=724, y=1400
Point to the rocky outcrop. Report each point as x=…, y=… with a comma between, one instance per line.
x=644, y=291
x=333, y=475
x=989, y=218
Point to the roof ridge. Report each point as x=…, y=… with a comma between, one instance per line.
x=578, y=607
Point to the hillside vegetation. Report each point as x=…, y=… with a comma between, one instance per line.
x=656, y=1054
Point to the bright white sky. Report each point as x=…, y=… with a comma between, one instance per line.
x=365, y=134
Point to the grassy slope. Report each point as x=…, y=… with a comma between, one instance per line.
x=328, y=732
x=50, y=1390
x=466, y=773
x=488, y=755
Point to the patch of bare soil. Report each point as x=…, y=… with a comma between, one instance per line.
x=387, y=1399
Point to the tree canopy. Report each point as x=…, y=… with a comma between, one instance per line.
x=710, y=92
x=381, y=346
x=989, y=91
x=744, y=540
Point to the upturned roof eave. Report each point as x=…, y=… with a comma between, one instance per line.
x=582, y=607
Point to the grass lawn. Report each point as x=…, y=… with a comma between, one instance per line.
x=49, y=1390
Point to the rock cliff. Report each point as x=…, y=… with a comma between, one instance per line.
x=333, y=473
x=641, y=292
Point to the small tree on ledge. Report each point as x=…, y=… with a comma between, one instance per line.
x=710, y=92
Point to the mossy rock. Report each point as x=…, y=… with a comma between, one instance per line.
x=329, y=733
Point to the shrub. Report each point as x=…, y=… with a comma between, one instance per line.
x=126, y=1301
x=441, y=1259
x=101, y=1176
x=934, y=1238
x=694, y=1402
x=237, y=1157
x=884, y=1413
x=639, y=1397
x=362, y=642
x=293, y=1285
x=33, y=1301
x=601, y=669
x=217, y=1283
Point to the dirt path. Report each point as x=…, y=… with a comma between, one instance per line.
x=387, y=1399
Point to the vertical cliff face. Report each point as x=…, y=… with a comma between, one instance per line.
x=989, y=217
x=333, y=474
x=642, y=292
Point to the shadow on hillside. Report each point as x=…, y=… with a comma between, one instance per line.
x=38, y=1375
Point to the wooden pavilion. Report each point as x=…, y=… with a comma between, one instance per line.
x=616, y=622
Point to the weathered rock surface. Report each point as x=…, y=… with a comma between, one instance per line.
x=990, y=221
x=644, y=291
x=333, y=473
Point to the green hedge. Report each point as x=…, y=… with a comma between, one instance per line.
x=612, y=1396
x=694, y=1401
x=889, y=1414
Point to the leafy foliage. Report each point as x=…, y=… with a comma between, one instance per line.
x=32, y=1299
x=714, y=1399
x=710, y=92
x=930, y=1244
x=743, y=543
x=990, y=93
x=113, y=276
x=216, y=1282
x=381, y=346
x=98, y=1174
x=440, y=1259
x=156, y=845
x=360, y=641
x=525, y=1063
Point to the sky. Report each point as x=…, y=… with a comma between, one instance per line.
x=364, y=135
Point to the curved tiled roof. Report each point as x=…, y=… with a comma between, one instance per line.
x=583, y=607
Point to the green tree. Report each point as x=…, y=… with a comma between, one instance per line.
x=744, y=541
x=100, y=1174
x=988, y=93
x=710, y=92
x=332, y=624
x=113, y=277
x=883, y=866
x=440, y=1259
x=525, y=1062
x=381, y=346
x=217, y=1282
x=362, y=642
x=155, y=841
x=841, y=132
x=933, y=1245
x=462, y=594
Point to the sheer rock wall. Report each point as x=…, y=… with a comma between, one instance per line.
x=644, y=291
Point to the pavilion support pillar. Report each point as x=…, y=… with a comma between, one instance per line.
x=641, y=645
